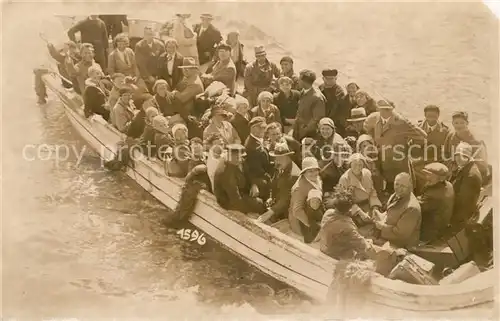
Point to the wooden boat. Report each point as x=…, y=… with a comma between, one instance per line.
x=277, y=254
x=281, y=256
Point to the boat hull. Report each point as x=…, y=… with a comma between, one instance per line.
x=278, y=255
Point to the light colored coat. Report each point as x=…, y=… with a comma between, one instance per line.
x=311, y=110
x=403, y=221
x=187, y=90
x=363, y=190
x=121, y=116
x=297, y=212
x=228, y=132
x=226, y=74
x=117, y=65
x=187, y=45
x=392, y=141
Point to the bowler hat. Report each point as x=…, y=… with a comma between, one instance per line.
x=281, y=149
x=258, y=120
x=438, y=169
x=357, y=114
x=309, y=163
x=259, y=50
x=189, y=62
x=330, y=72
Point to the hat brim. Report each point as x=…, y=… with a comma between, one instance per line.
x=272, y=154
x=460, y=153
x=260, y=54
x=189, y=67
x=385, y=107
x=308, y=168
x=352, y=120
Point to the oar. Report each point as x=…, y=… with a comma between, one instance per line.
x=42, y=36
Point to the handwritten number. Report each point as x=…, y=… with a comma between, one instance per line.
x=201, y=239
x=192, y=235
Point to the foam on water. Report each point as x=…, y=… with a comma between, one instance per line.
x=81, y=242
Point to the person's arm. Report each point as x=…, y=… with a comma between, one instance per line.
x=339, y=93
x=278, y=116
x=225, y=76
x=111, y=64
x=55, y=54
x=374, y=200
x=297, y=205
x=284, y=197
x=133, y=63
x=276, y=70
x=121, y=120
x=124, y=20
x=189, y=93
x=73, y=30
x=73, y=70
x=405, y=225
x=318, y=112
x=414, y=132
x=141, y=62
x=467, y=196
x=235, y=135
x=104, y=36
x=369, y=124
x=248, y=79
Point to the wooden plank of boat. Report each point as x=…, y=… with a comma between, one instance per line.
x=278, y=255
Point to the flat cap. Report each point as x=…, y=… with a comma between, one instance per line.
x=330, y=72
x=235, y=148
x=224, y=46
x=436, y=169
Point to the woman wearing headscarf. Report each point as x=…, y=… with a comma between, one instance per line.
x=308, y=180
x=364, y=100
x=122, y=58
x=332, y=153
x=462, y=133
x=185, y=36
x=266, y=108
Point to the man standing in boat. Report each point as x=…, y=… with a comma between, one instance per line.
x=334, y=108
x=231, y=187
x=207, y=38
x=147, y=54
x=259, y=76
x=93, y=30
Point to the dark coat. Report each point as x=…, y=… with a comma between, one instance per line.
x=114, y=23
x=258, y=79
x=177, y=75
x=281, y=187
x=147, y=57
x=206, y=42
x=240, y=123
x=333, y=110
x=435, y=142
x=311, y=110
x=93, y=32
x=231, y=189
x=296, y=148
x=467, y=186
x=137, y=125
x=436, y=203
x=240, y=63
x=272, y=115
x=257, y=163
x=94, y=100
x=287, y=106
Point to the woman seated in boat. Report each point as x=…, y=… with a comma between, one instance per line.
x=358, y=179
x=237, y=52
x=364, y=100
x=287, y=101
x=241, y=118
x=147, y=139
x=332, y=153
x=95, y=94
x=308, y=180
x=161, y=99
x=462, y=133
x=138, y=124
x=266, y=108
x=178, y=164
x=122, y=58
x=214, y=148
x=219, y=124
x=117, y=82
x=123, y=112
x=339, y=237
x=163, y=140
x=80, y=70
x=365, y=145
x=355, y=123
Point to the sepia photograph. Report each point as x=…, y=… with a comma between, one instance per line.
x=212, y=160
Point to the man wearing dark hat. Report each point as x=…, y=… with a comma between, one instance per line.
x=190, y=86
x=223, y=71
x=258, y=163
x=207, y=38
x=259, y=76
x=436, y=202
x=231, y=187
x=286, y=64
x=311, y=107
x=392, y=134
x=281, y=184
x=334, y=94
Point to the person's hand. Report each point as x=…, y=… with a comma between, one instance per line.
x=269, y=202
x=401, y=252
x=379, y=224
x=265, y=217
x=254, y=191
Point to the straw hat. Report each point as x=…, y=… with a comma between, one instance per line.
x=464, y=149
x=309, y=163
x=189, y=62
x=357, y=114
x=260, y=51
x=280, y=149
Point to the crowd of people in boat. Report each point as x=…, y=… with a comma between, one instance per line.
x=352, y=173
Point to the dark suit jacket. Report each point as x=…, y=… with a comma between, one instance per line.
x=436, y=203
x=230, y=187
x=206, y=42
x=281, y=191
x=257, y=163
x=287, y=105
x=147, y=58
x=114, y=23
x=240, y=123
x=296, y=148
x=467, y=185
x=311, y=110
x=177, y=75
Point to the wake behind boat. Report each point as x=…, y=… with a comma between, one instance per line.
x=285, y=257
